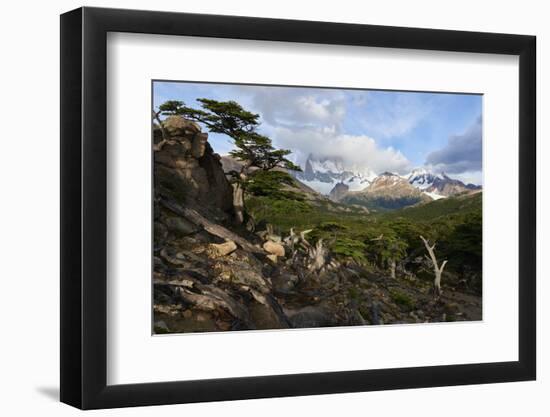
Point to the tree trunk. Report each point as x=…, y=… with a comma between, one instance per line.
x=392, y=268
x=238, y=202
x=165, y=138
x=238, y=194
x=437, y=281
x=438, y=270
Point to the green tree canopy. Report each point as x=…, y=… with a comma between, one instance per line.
x=229, y=118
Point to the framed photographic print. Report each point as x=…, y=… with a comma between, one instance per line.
x=293, y=207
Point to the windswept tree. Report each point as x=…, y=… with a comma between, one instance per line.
x=390, y=250
x=254, y=150
x=438, y=269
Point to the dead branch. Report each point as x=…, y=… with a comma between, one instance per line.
x=438, y=270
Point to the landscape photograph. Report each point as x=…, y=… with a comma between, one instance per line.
x=283, y=207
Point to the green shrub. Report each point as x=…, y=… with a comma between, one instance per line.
x=402, y=299
x=350, y=248
x=353, y=293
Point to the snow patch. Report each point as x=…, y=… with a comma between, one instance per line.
x=434, y=196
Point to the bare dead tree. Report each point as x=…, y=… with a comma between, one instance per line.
x=438, y=270
x=392, y=268
x=376, y=239
x=303, y=234
x=318, y=256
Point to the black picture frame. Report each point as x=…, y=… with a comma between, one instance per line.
x=84, y=207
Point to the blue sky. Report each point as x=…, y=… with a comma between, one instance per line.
x=379, y=130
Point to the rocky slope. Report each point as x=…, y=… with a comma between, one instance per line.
x=206, y=277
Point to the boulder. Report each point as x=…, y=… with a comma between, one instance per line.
x=274, y=248
x=161, y=327
x=223, y=249
x=178, y=126
x=199, y=145
x=241, y=274
x=272, y=258
x=188, y=172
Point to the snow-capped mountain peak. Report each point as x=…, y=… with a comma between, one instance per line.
x=422, y=178
x=322, y=174
x=438, y=185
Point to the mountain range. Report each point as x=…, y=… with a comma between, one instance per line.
x=329, y=177
x=387, y=191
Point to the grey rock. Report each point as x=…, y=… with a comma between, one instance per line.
x=161, y=327
x=180, y=226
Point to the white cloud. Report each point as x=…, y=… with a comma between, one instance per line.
x=356, y=151
x=309, y=121
x=298, y=107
